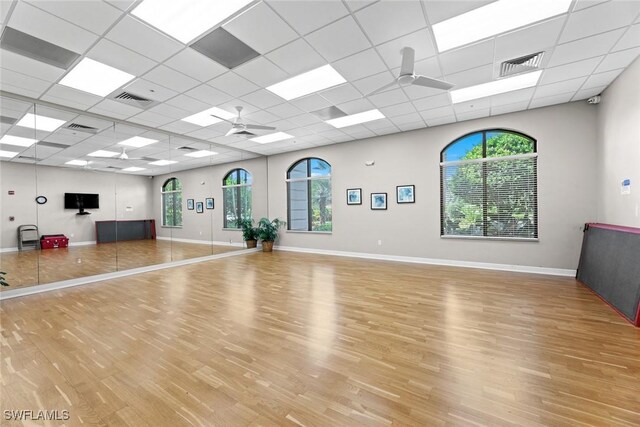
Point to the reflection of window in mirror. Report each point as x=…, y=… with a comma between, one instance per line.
x=172, y=203
x=236, y=197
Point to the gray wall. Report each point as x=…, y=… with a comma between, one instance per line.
x=207, y=226
x=566, y=136
x=122, y=196
x=619, y=149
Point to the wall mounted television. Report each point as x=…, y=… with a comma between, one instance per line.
x=81, y=201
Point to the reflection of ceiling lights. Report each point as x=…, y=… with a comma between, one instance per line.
x=137, y=142
x=95, y=77
x=17, y=141
x=201, y=153
x=163, y=162
x=8, y=154
x=77, y=163
x=355, y=119
x=205, y=118
x=494, y=18
x=133, y=169
x=35, y=121
x=272, y=137
x=103, y=153
x=187, y=19
x=306, y=83
x=496, y=87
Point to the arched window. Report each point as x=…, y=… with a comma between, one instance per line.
x=488, y=184
x=172, y=203
x=236, y=197
x=309, y=195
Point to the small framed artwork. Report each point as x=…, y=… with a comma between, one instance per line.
x=354, y=196
x=209, y=203
x=190, y=204
x=378, y=201
x=405, y=193
x=199, y=207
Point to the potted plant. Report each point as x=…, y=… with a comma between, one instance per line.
x=268, y=232
x=249, y=232
x=3, y=281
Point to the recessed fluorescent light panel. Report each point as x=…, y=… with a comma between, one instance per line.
x=187, y=19
x=8, y=154
x=133, y=169
x=103, y=153
x=37, y=122
x=272, y=137
x=205, y=118
x=201, y=153
x=496, y=87
x=354, y=119
x=306, y=83
x=17, y=141
x=77, y=163
x=163, y=162
x=137, y=142
x=95, y=77
x=494, y=18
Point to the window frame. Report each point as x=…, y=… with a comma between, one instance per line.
x=237, y=196
x=163, y=194
x=309, y=178
x=485, y=206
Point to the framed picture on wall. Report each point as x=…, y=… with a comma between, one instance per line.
x=378, y=201
x=199, y=207
x=354, y=196
x=190, y=204
x=209, y=202
x=405, y=193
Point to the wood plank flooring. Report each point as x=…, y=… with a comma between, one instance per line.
x=52, y=265
x=300, y=339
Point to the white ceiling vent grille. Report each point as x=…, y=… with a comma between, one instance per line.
x=521, y=65
x=133, y=100
x=81, y=128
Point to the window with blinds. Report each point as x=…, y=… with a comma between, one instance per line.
x=236, y=197
x=309, y=196
x=488, y=185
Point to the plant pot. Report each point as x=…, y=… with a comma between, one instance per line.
x=251, y=243
x=267, y=246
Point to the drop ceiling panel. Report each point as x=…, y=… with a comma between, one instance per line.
x=435, y=113
x=509, y=108
x=70, y=97
x=169, y=111
x=619, y=59
x=587, y=93
x=465, y=58
x=601, y=79
x=143, y=39
x=536, y=38
x=551, y=100
x=262, y=117
x=31, y=67
x=391, y=97
x=360, y=65
x=172, y=79
x=285, y=110
x=570, y=71
x=339, y=94
x=338, y=40
x=407, y=118
x=311, y=103
x=441, y=10
x=296, y=57
x=94, y=16
x=474, y=76
x=356, y=106
x=22, y=84
x=517, y=96
x=115, y=109
x=195, y=65
x=584, y=48
x=308, y=16
x=262, y=99
x=371, y=83
x=630, y=39
x=233, y=84
x=116, y=56
x=420, y=41
x=261, y=71
x=561, y=87
x=151, y=90
x=398, y=110
x=149, y=118
x=438, y=121
x=400, y=18
x=592, y=20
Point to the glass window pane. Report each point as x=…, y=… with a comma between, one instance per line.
x=463, y=200
x=320, y=168
x=230, y=207
x=298, y=205
x=507, y=144
x=231, y=178
x=469, y=147
x=299, y=170
x=321, y=219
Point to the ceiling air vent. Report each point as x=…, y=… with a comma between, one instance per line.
x=133, y=100
x=521, y=65
x=187, y=148
x=81, y=128
x=113, y=167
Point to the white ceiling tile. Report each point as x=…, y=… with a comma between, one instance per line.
x=189, y=104
x=581, y=4
x=404, y=128
x=598, y=19
x=172, y=79
x=355, y=5
x=371, y=83
x=115, y=109
x=601, y=79
x=630, y=39
x=474, y=76
x=525, y=41
x=143, y=39
x=339, y=94
x=233, y=84
x=230, y=106
x=437, y=121
x=509, y=108
x=304, y=120
x=22, y=84
x=338, y=40
x=30, y=67
x=522, y=95
x=169, y=111
x=307, y=16
x=398, y=110
x=356, y=106
x=149, y=118
x=435, y=113
x=391, y=97
x=584, y=48
x=296, y=57
x=195, y=65
x=618, y=59
x=311, y=103
x=379, y=124
x=400, y=18
x=560, y=87
x=261, y=28
x=362, y=64
x=71, y=97
x=420, y=41
x=207, y=94
x=468, y=57
x=261, y=71
x=285, y=110
x=551, y=100
x=407, y=118
x=261, y=117
x=471, y=115
x=588, y=93
x=116, y=56
x=441, y=10
x=471, y=106
x=569, y=71
x=45, y=26
x=179, y=127
x=151, y=90
x=94, y=16
x=262, y=99
x=121, y=4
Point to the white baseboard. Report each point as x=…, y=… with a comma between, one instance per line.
x=435, y=261
x=8, y=250
x=203, y=242
x=85, y=243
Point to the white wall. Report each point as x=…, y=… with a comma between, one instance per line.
x=566, y=136
x=117, y=193
x=619, y=149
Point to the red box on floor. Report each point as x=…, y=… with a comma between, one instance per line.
x=54, y=241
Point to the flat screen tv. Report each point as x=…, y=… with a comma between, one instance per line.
x=81, y=201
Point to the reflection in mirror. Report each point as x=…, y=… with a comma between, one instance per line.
x=19, y=254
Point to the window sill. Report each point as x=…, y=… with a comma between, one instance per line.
x=506, y=239
x=170, y=226
x=231, y=229
x=309, y=232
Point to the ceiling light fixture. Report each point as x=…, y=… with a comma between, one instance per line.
x=205, y=118
x=133, y=169
x=272, y=137
x=306, y=83
x=496, y=87
x=77, y=163
x=163, y=162
x=186, y=19
x=18, y=141
x=137, y=142
x=494, y=18
x=95, y=77
x=354, y=119
x=103, y=153
x=201, y=153
x=8, y=154
x=34, y=121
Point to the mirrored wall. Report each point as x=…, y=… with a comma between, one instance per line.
x=83, y=196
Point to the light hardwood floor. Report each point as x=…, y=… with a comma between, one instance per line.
x=52, y=265
x=288, y=339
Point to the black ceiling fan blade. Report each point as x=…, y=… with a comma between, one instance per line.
x=408, y=59
x=432, y=83
x=259, y=127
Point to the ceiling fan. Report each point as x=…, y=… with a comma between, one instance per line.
x=240, y=128
x=408, y=77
